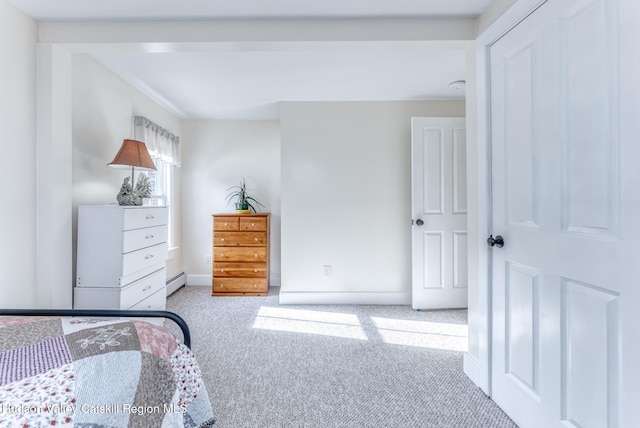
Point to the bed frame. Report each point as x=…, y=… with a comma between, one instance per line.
x=104, y=313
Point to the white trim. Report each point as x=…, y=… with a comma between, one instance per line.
x=481, y=375
x=54, y=254
x=452, y=33
x=516, y=13
x=472, y=368
x=344, y=298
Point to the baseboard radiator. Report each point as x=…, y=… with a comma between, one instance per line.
x=176, y=282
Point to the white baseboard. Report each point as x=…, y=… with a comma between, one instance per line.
x=344, y=298
x=471, y=367
x=199, y=280
x=205, y=280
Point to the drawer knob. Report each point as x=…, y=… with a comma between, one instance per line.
x=225, y=224
x=150, y=256
x=147, y=288
x=221, y=285
x=222, y=239
x=253, y=224
x=148, y=237
x=255, y=254
x=221, y=270
x=222, y=255
x=255, y=239
x=149, y=217
x=255, y=285
x=255, y=270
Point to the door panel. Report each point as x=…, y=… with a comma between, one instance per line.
x=588, y=55
x=590, y=354
x=459, y=171
x=522, y=295
x=520, y=166
x=433, y=260
x=439, y=199
x=460, y=277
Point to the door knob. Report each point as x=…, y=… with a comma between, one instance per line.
x=498, y=241
x=419, y=222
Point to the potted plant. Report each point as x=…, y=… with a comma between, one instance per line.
x=244, y=202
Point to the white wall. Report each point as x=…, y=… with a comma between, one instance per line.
x=103, y=105
x=346, y=198
x=215, y=156
x=18, y=37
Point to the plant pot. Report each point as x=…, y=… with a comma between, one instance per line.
x=242, y=208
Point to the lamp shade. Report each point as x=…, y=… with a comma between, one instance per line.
x=133, y=153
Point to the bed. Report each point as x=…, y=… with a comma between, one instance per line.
x=85, y=368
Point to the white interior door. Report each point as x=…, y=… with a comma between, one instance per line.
x=565, y=198
x=439, y=207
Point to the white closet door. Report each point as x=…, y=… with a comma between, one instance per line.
x=566, y=200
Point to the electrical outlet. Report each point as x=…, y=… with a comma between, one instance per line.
x=327, y=271
x=207, y=259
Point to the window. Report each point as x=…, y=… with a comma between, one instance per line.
x=164, y=148
x=161, y=181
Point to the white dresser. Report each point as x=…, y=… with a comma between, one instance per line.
x=122, y=254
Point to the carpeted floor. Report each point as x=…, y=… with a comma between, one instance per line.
x=267, y=365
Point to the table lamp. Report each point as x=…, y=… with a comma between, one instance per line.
x=132, y=154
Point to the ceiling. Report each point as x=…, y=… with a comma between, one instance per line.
x=249, y=84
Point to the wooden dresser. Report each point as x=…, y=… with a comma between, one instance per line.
x=240, y=254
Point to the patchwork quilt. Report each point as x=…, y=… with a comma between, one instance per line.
x=77, y=372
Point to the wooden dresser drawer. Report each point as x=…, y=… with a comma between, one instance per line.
x=240, y=285
x=239, y=254
x=246, y=239
x=226, y=223
x=137, y=218
x=136, y=239
x=240, y=270
x=255, y=223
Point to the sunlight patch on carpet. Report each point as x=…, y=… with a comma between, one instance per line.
x=423, y=334
x=310, y=322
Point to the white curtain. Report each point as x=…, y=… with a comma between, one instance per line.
x=160, y=142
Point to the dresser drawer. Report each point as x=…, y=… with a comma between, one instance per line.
x=143, y=288
x=155, y=302
x=240, y=270
x=253, y=223
x=144, y=258
x=239, y=285
x=141, y=238
x=248, y=239
x=137, y=218
x=240, y=254
x=226, y=223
